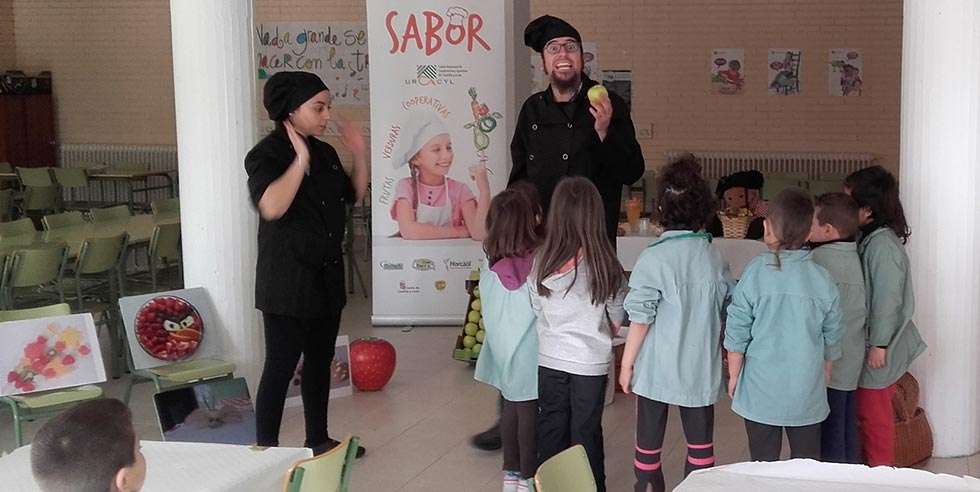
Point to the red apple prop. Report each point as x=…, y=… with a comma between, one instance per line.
x=372, y=362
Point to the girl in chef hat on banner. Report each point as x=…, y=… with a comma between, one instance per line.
x=429, y=204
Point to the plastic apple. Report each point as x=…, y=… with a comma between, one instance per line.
x=468, y=341
x=473, y=317
x=480, y=335
x=476, y=305
x=477, y=348
x=372, y=363
x=597, y=93
x=471, y=329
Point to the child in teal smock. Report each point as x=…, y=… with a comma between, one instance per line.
x=509, y=357
x=893, y=340
x=782, y=333
x=673, y=350
x=835, y=225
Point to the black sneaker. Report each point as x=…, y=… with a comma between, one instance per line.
x=488, y=440
x=332, y=443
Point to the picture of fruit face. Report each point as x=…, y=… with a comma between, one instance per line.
x=169, y=328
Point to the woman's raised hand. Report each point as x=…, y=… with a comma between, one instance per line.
x=351, y=137
x=299, y=144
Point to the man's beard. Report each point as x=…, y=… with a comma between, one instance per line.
x=564, y=85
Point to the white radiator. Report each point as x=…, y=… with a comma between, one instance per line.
x=152, y=157
x=810, y=165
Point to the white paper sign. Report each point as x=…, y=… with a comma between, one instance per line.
x=49, y=353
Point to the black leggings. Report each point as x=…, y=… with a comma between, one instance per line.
x=517, y=423
x=286, y=338
x=651, y=425
x=766, y=441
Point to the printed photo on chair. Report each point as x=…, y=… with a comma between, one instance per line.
x=44, y=354
x=173, y=326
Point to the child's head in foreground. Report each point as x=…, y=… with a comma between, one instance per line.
x=90, y=447
x=835, y=217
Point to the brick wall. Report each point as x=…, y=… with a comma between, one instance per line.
x=667, y=44
x=8, y=48
x=112, y=67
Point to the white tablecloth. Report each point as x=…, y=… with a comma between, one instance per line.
x=813, y=476
x=737, y=252
x=186, y=466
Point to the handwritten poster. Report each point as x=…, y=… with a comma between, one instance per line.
x=336, y=51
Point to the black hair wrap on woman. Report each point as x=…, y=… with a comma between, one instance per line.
x=286, y=91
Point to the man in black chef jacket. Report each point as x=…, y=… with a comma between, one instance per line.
x=560, y=133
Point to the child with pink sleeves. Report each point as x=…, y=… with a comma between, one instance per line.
x=429, y=204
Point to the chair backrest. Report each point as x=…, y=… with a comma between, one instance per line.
x=41, y=197
x=71, y=177
x=17, y=227
x=6, y=203
x=329, y=472
x=111, y=213
x=62, y=309
x=567, y=471
x=33, y=267
x=165, y=242
x=65, y=219
x=101, y=254
x=6, y=167
x=165, y=206
x=35, y=176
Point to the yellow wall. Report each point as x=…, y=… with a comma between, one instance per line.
x=112, y=67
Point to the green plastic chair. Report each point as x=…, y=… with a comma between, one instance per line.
x=17, y=228
x=100, y=263
x=329, y=472
x=164, y=249
x=35, y=176
x=6, y=167
x=33, y=271
x=64, y=219
x=567, y=471
x=776, y=183
x=818, y=187
x=33, y=406
x=109, y=214
x=165, y=206
x=71, y=179
x=41, y=199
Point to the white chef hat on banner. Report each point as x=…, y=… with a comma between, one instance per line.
x=418, y=129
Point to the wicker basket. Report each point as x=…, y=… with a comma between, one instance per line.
x=913, y=436
x=734, y=227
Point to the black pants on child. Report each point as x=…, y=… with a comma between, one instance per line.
x=838, y=434
x=518, y=420
x=766, y=441
x=570, y=413
x=286, y=338
x=651, y=425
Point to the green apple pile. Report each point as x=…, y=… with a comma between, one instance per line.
x=473, y=331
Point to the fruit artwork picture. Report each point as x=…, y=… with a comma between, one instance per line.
x=169, y=328
x=49, y=353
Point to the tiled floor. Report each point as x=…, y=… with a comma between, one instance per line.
x=417, y=429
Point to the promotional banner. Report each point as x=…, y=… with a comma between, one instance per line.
x=439, y=150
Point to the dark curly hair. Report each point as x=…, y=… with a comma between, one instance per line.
x=683, y=200
x=876, y=188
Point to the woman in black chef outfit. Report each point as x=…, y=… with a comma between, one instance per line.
x=301, y=191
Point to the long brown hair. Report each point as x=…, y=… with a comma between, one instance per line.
x=576, y=223
x=876, y=188
x=512, y=225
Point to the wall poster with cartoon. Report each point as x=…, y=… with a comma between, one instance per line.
x=727, y=75
x=846, y=70
x=784, y=71
x=440, y=149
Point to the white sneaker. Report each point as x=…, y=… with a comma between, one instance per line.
x=511, y=480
